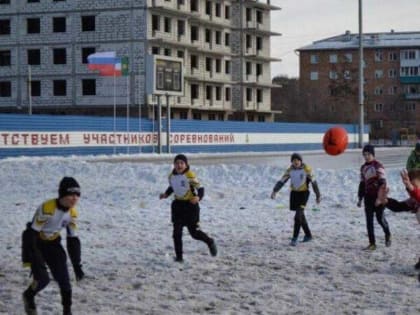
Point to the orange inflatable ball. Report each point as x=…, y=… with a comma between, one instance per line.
x=335, y=140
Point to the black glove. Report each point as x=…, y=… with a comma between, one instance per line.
x=74, y=250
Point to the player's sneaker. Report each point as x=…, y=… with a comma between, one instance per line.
x=293, y=242
x=370, y=247
x=388, y=241
x=213, y=248
x=307, y=238
x=179, y=259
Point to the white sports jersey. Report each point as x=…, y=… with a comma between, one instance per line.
x=299, y=177
x=184, y=185
x=49, y=220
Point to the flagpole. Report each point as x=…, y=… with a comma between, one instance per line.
x=115, y=109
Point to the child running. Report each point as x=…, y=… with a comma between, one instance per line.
x=372, y=176
x=185, y=206
x=300, y=175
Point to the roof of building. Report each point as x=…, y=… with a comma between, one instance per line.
x=370, y=40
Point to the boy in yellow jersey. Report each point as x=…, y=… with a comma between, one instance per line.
x=300, y=175
x=41, y=245
x=185, y=206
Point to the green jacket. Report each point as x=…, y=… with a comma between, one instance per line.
x=413, y=161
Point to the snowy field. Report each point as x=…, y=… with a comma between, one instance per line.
x=127, y=248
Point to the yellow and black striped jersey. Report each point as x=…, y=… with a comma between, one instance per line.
x=49, y=220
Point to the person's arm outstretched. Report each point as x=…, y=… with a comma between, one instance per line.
x=280, y=184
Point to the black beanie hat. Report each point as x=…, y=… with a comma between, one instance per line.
x=369, y=148
x=68, y=186
x=296, y=156
x=181, y=157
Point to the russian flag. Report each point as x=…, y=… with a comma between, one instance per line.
x=107, y=63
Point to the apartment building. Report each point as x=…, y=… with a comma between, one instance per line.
x=225, y=46
x=329, y=80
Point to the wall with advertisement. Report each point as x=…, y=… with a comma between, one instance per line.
x=41, y=135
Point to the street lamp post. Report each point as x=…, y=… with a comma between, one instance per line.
x=361, y=93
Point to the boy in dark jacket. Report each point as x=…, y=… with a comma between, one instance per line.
x=300, y=175
x=42, y=245
x=372, y=176
x=185, y=207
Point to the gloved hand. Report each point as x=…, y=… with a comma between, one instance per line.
x=359, y=203
x=79, y=272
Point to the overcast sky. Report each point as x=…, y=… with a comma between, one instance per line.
x=303, y=21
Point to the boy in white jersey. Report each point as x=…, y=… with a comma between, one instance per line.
x=300, y=175
x=185, y=207
x=41, y=245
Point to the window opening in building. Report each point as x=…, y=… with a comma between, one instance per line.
x=86, y=51
x=5, y=89
x=5, y=58
x=88, y=23
x=35, y=88
x=88, y=87
x=59, y=56
x=59, y=24
x=59, y=88
x=33, y=26
x=34, y=56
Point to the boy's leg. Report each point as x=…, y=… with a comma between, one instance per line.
x=298, y=223
x=198, y=234
x=398, y=206
x=56, y=259
x=39, y=282
x=298, y=200
x=369, y=225
x=178, y=220
x=305, y=226
x=177, y=236
x=380, y=217
x=66, y=297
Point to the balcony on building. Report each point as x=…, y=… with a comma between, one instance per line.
x=410, y=79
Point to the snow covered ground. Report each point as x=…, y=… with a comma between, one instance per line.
x=127, y=248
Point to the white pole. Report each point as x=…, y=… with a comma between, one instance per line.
x=139, y=119
x=159, y=125
x=128, y=110
x=30, y=89
x=153, y=128
x=168, y=125
x=361, y=79
x=115, y=109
